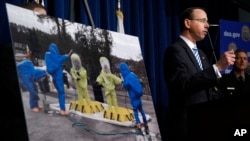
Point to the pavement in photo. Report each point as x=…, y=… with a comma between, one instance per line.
x=51, y=126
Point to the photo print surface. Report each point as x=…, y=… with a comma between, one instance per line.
x=78, y=82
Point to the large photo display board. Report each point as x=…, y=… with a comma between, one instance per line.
x=80, y=83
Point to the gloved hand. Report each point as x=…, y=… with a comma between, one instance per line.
x=106, y=94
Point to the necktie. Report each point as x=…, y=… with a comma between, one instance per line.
x=241, y=83
x=241, y=79
x=197, y=56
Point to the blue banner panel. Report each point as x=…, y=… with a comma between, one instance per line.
x=234, y=35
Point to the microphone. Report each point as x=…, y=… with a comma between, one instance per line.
x=214, y=25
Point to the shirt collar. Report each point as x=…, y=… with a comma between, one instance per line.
x=188, y=42
x=237, y=76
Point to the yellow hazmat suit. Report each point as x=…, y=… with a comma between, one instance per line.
x=108, y=81
x=80, y=77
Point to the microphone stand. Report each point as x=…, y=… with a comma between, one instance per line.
x=211, y=44
x=215, y=89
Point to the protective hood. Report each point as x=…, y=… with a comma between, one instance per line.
x=26, y=67
x=54, y=60
x=124, y=69
x=76, y=61
x=53, y=49
x=105, y=64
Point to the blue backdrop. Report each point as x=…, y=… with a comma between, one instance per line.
x=234, y=35
x=155, y=22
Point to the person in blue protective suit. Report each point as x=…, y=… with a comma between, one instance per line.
x=28, y=76
x=133, y=85
x=79, y=74
x=108, y=81
x=54, y=66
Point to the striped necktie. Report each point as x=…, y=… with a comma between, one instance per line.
x=197, y=56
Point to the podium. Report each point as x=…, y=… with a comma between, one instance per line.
x=219, y=118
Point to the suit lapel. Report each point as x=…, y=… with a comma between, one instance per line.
x=204, y=61
x=191, y=55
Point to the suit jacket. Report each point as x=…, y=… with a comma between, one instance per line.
x=186, y=83
x=231, y=87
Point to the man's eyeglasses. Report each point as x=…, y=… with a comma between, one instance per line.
x=204, y=20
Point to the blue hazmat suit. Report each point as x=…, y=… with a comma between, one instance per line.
x=133, y=85
x=54, y=66
x=28, y=76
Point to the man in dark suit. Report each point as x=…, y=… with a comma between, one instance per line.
x=237, y=82
x=190, y=81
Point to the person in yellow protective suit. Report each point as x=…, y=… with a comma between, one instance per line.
x=108, y=81
x=79, y=74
